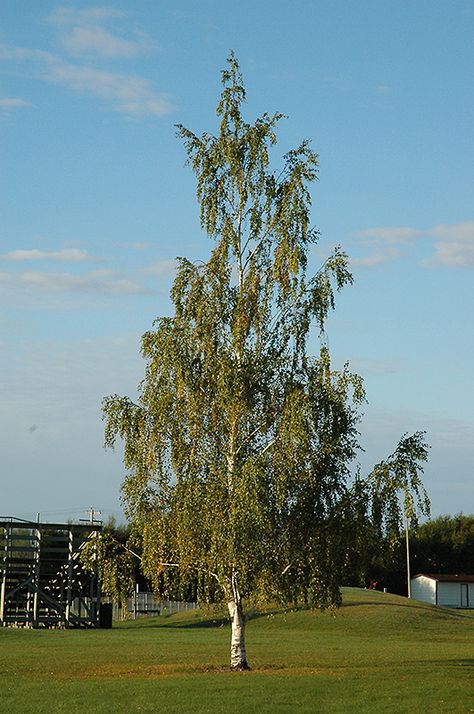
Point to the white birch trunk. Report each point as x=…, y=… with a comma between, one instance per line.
x=238, y=655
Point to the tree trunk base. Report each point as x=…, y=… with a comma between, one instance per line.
x=241, y=667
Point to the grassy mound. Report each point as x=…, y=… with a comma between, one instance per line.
x=378, y=653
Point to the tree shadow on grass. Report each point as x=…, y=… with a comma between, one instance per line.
x=209, y=622
x=444, y=613
x=386, y=604
x=163, y=623
x=199, y=624
x=448, y=662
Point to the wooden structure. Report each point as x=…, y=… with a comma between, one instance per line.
x=445, y=590
x=42, y=580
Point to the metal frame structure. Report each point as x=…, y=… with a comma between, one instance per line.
x=43, y=582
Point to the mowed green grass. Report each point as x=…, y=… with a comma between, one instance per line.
x=379, y=653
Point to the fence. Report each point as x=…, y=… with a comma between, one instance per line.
x=145, y=604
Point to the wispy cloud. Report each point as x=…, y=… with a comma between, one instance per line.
x=7, y=104
x=82, y=34
x=21, y=54
x=131, y=95
x=371, y=261
x=84, y=40
x=397, y=235
x=453, y=244
x=78, y=279
x=162, y=268
x=98, y=283
x=387, y=243
x=72, y=255
x=71, y=15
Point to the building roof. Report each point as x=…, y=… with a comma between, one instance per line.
x=444, y=578
x=16, y=523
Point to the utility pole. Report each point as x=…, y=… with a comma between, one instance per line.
x=95, y=600
x=407, y=544
x=92, y=512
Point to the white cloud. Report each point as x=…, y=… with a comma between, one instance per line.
x=92, y=282
x=378, y=258
x=453, y=244
x=452, y=255
x=82, y=33
x=24, y=53
x=397, y=235
x=455, y=231
x=9, y=103
x=130, y=95
x=106, y=281
x=73, y=255
x=99, y=282
x=69, y=15
x=371, y=261
x=84, y=40
x=387, y=245
x=163, y=268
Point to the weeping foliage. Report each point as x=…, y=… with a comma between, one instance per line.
x=397, y=491
x=238, y=447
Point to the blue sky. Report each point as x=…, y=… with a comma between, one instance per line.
x=95, y=204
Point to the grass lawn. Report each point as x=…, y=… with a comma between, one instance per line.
x=379, y=653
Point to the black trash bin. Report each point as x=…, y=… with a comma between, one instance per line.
x=105, y=615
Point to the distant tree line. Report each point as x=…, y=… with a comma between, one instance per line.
x=440, y=545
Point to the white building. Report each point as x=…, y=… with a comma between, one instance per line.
x=444, y=590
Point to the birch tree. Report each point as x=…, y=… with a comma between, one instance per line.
x=398, y=493
x=238, y=446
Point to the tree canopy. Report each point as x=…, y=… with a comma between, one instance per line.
x=237, y=450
